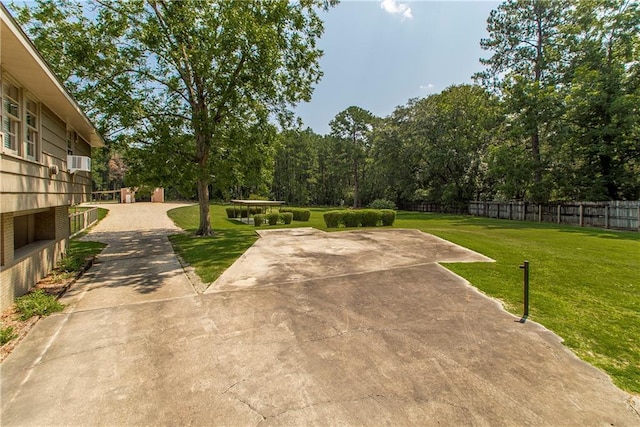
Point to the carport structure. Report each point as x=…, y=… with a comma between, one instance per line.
x=265, y=204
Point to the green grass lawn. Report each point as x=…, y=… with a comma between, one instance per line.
x=585, y=283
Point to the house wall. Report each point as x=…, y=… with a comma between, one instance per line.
x=27, y=265
x=34, y=206
x=28, y=184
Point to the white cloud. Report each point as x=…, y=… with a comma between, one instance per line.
x=394, y=8
x=428, y=86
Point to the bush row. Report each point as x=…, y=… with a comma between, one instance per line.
x=357, y=218
x=242, y=212
x=272, y=218
x=299, y=214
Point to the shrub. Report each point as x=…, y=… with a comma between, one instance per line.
x=6, y=335
x=273, y=218
x=370, y=217
x=70, y=264
x=231, y=212
x=303, y=215
x=37, y=304
x=259, y=219
x=382, y=204
x=244, y=213
x=253, y=210
x=332, y=218
x=352, y=218
x=388, y=217
x=298, y=213
x=286, y=217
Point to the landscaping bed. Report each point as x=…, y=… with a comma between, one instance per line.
x=17, y=320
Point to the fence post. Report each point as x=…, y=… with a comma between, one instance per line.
x=539, y=212
x=606, y=216
x=525, y=267
x=580, y=210
x=510, y=210
x=638, y=218
x=558, y=214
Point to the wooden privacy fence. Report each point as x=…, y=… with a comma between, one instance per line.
x=620, y=215
x=82, y=220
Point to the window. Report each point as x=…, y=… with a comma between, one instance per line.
x=32, y=129
x=11, y=117
x=20, y=127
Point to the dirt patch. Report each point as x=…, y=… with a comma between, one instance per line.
x=55, y=284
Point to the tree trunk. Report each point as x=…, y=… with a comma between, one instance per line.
x=203, y=200
x=355, y=183
x=202, y=151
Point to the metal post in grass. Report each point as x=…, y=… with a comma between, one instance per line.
x=525, y=267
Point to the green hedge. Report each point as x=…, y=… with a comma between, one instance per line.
x=273, y=218
x=286, y=217
x=371, y=217
x=388, y=217
x=259, y=219
x=382, y=204
x=332, y=218
x=357, y=218
x=299, y=214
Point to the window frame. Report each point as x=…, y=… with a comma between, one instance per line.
x=13, y=148
x=29, y=129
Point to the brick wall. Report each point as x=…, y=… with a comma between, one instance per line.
x=24, y=268
x=6, y=242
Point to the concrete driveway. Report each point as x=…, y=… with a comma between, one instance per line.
x=307, y=327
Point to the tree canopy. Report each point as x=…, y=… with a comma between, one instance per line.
x=194, y=91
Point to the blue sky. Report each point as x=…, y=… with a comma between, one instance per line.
x=379, y=54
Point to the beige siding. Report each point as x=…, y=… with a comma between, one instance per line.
x=54, y=136
x=29, y=185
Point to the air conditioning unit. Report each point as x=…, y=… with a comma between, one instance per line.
x=78, y=163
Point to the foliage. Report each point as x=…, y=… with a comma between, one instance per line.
x=351, y=218
x=37, y=303
x=332, y=218
x=371, y=217
x=259, y=219
x=387, y=217
x=353, y=126
x=231, y=211
x=298, y=213
x=382, y=204
x=77, y=254
x=272, y=218
x=286, y=217
x=359, y=217
x=523, y=40
x=7, y=334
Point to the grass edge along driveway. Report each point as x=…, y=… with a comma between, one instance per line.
x=585, y=283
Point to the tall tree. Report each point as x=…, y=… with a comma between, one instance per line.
x=354, y=125
x=211, y=64
x=601, y=156
x=523, y=40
